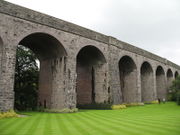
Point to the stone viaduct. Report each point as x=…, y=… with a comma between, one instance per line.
x=78, y=65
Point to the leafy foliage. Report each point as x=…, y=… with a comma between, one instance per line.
x=98, y=106
x=117, y=107
x=152, y=102
x=8, y=114
x=65, y=110
x=134, y=104
x=175, y=90
x=26, y=79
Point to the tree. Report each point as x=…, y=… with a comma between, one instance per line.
x=26, y=79
x=175, y=90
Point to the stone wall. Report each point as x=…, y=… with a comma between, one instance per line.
x=147, y=82
x=69, y=77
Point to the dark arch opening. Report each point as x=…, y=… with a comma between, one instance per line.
x=176, y=74
x=52, y=58
x=44, y=46
x=90, y=75
x=169, y=78
x=160, y=83
x=147, y=82
x=128, y=79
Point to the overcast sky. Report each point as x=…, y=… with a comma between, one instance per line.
x=153, y=25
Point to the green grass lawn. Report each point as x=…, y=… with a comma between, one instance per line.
x=155, y=119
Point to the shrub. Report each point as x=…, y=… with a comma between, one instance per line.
x=117, y=107
x=65, y=110
x=40, y=109
x=178, y=98
x=133, y=104
x=175, y=90
x=98, y=106
x=152, y=102
x=8, y=114
x=108, y=106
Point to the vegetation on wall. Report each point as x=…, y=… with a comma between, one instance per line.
x=174, y=94
x=26, y=79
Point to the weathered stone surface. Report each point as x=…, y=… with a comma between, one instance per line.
x=68, y=76
x=147, y=82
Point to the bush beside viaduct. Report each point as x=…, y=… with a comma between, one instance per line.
x=78, y=65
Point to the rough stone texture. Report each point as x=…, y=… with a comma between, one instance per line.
x=128, y=81
x=91, y=76
x=169, y=78
x=1, y=52
x=64, y=82
x=85, y=88
x=147, y=82
x=160, y=83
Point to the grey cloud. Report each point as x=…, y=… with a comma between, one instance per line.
x=152, y=25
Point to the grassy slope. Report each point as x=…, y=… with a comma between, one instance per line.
x=161, y=119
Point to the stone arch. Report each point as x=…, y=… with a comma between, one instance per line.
x=128, y=79
x=176, y=74
x=52, y=57
x=90, y=75
x=147, y=82
x=44, y=45
x=160, y=83
x=169, y=78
